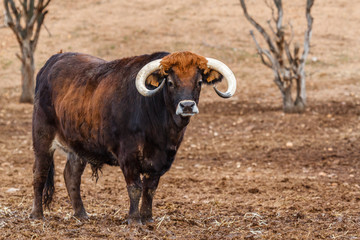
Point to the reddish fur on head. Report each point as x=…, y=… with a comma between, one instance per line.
x=184, y=65
x=183, y=61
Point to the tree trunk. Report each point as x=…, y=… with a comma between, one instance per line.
x=302, y=84
x=300, y=101
x=27, y=70
x=288, y=104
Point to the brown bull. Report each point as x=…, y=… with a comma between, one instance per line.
x=130, y=112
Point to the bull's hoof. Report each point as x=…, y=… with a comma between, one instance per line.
x=147, y=220
x=36, y=215
x=134, y=222
x=81, y=216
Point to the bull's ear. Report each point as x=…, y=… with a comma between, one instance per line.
x=154, y=79
x=212, y=77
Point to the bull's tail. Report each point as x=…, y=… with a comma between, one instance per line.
x=49, y=187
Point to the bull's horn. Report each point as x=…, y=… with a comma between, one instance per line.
x=143, y=74
x=228, y=75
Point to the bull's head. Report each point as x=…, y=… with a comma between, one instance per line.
x=182, y=74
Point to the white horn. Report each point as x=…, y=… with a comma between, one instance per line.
x=228, y=75
x=143, y=74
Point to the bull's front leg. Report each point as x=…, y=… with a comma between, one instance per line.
x=150, y=184
x=134, y=191
x=134, y=187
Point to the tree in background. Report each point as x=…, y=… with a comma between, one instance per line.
x=288, y=67
x=26, y=21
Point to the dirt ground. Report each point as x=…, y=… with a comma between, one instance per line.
x=245, y=169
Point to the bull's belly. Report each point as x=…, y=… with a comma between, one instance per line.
x=96, y=157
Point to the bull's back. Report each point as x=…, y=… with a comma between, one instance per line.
x=70, y=89
x=68, y=85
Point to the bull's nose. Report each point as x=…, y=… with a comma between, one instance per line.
x=187, y=108
x=187, y=104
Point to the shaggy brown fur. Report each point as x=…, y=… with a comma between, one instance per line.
x=183, y=64
x=183, y=60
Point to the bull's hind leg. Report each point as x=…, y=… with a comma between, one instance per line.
x=72, y=174
x=43, y=175
x=43, y=171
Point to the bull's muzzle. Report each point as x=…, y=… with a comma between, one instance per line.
x=187, y=108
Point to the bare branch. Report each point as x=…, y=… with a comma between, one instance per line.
x=261, y=52
x=31, y=8
x=271, y=28
x=15, y=27
x=309, y=4
x=274, y=64
x=19, y=57
x=278, y=81
x=292, y=32
x=296, y=50
x=24, y=6
x=40, y=19
x=287, y=48
x=272, y=10
x=48, y=31
x=33, y=15
x=301, y=97
x=278, y=5
x=14, y=9
x=38, y=28
x=37, y=11
x=9, y=18
x=17, y=14
x=46, y=4
x=259, y=28
x=288, y=54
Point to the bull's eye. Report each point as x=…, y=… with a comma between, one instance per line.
x=170, y=83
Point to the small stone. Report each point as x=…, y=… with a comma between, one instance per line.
x=12, y=190
x=289, y=144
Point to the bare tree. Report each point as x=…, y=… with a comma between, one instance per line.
x=288, y=67
x=26, y=21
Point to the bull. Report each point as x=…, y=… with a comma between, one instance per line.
x=130, y=112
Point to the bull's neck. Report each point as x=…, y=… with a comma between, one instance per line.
x=176, y=130
x=168, y=124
